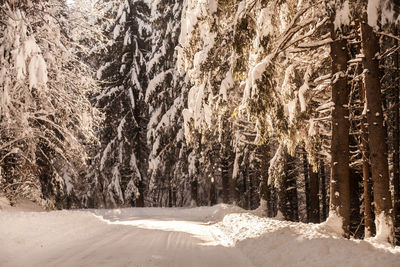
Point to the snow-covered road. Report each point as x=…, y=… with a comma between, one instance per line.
x=144, y=237
x=209, y=236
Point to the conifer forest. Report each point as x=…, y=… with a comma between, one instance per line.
x=290, y=108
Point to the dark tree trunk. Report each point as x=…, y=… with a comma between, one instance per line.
x=340, y=172
x=376, y=128
x=225, y=185
x=193, y=191
x=212, y=195
x=396, y=144
x=293, y=199
x=139, y=202
x=169, y=196
x=314, y=196
x=367, y=182
x=283, y=198
x=174, y=197
x=307, y=187
x=250, y=192
x=264, y=190
x=325, y=207
x=355, y=203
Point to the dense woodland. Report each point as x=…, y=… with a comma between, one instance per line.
x=288, y=107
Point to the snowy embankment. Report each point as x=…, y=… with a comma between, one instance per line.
x=208, y=236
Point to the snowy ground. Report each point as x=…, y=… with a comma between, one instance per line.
x=209, y=236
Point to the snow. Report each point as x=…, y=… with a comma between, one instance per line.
x=372, y=10
x=116, y=31
x=333, y=225
x=213, y=6
x=264, y=21
x=101, y=69
x=342, y=15
x=221, y=235
x=226, y=84
x=120, y=128
x=384, y=227
x=156, y=81
x=37, y=71
x=285, y=243
x=312, y=128
x=127, y=38
x=388, y=13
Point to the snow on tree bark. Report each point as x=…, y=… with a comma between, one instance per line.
x=377, y=136
x=340, y=172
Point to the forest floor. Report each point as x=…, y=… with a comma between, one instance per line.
x=208, y=236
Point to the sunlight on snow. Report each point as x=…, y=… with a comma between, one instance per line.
x=198, y=230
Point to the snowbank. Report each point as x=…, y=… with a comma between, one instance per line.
x=270, y=242
x=21, y=205
x=202, y=214
x=178, y=237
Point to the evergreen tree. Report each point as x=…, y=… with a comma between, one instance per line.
x=46, y=119
x=119, y=173
x=166, y=97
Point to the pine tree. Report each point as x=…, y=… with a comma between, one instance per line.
x=120, y=169
x=47, y=122
x=166, y=97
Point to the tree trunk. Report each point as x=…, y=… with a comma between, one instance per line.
x=376, y=135
x=340, y=172
x=212, y=195
x=396, y=144
x=367, y=182
x=233, y=189
x=293, y=199
x=323, y=192
x=283, y=197
x=169, y=196
x=263, y=189
x=307, y=187
x=193, y=192
x=355, y=203
x=314, y=196
x=291, y=189
x=139, y=202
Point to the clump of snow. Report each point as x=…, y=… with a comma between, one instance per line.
x=373, y=12
x=275, y=170
x=116, y=31
x=37, y=71
x=334, y=224
x=213, y=6
x=19, y=205
x=342, y=15
x=4, y=203
x=384, y=229
x=226, y=84
x=388, y=13
x=264, y=22
x=262, y=209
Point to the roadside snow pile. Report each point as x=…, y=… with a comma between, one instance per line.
x=4, y=203
x=222, y=235
x=20, y=205
x=270, y=242
x=202, y=214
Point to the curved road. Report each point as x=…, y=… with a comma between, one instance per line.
x=104, y=238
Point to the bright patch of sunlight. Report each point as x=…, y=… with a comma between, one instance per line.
x=197, y=229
